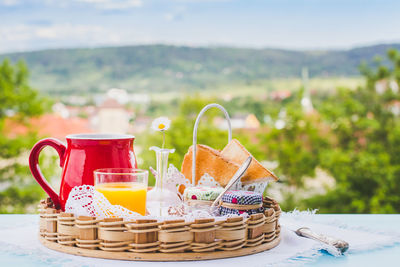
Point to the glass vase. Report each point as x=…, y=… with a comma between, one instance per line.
x=160, y=198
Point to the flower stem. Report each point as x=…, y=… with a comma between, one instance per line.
x=163, y=141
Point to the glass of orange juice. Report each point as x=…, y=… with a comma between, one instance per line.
x=123, y=186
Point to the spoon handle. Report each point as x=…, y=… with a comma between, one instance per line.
x=239, y=173
x=339, y=244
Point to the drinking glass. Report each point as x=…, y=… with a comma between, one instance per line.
x=123, y=186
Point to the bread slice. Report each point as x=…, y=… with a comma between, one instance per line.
x=209, y=160
x=235, y=152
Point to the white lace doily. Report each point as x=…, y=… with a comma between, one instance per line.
x=84, y=200
x=174, y=180
x=259, y=187
x=208, y=180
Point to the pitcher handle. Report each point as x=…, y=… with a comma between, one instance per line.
x=35, y=169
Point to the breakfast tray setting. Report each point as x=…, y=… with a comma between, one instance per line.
x=212, y=208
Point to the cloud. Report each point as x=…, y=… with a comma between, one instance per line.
x=169, y=17
x=63, y=31
x=23, y=36
x=199, y=1
x=9, y=2
x=175, y=15
x=113, y=4
x=97, y=4
x=41, y=22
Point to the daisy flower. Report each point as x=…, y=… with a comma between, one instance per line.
x=161, y=124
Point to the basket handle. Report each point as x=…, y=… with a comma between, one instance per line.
x=196, y=125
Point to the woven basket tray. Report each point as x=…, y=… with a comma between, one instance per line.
x=149, y=240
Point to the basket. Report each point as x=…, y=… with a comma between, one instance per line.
x=151, y=240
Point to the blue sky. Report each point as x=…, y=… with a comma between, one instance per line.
x=293, y=24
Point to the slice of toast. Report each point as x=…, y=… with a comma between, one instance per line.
x=235, y=152
x=209, y=160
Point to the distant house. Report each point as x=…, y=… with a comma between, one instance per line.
x=66, y=111
x=394, y=107
x=141, y=124
x=108, y=117
x=382, y=85
x=50, y=125
x=280, y=95
x=243, y=121
x=111, y=117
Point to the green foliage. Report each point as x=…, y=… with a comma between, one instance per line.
x=364, y=157
x=352, y=134
x=297, y=145
x=19, y=102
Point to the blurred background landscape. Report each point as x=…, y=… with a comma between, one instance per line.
x=312, y=90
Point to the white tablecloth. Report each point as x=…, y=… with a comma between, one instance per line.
x=19, y=242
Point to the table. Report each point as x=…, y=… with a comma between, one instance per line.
x=11, y=256
x=389, y=256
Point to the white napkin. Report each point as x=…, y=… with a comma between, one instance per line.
x=19, y=239
x=299, y=249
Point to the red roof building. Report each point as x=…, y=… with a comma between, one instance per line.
x=49, y=125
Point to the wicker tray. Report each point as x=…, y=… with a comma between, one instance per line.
x=187, y=256
x=149, y=240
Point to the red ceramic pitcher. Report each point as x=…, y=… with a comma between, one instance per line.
x=83, y=154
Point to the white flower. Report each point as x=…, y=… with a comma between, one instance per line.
x=161, y=124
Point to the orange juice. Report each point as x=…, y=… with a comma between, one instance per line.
x=129, y=195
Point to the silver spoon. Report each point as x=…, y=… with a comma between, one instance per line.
x=341, y=245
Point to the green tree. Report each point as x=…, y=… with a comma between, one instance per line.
x=295, y=142
x=364, y=158
x=18, y=102
x=354, y=135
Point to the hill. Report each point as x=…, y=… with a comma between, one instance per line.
x=162, y=68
